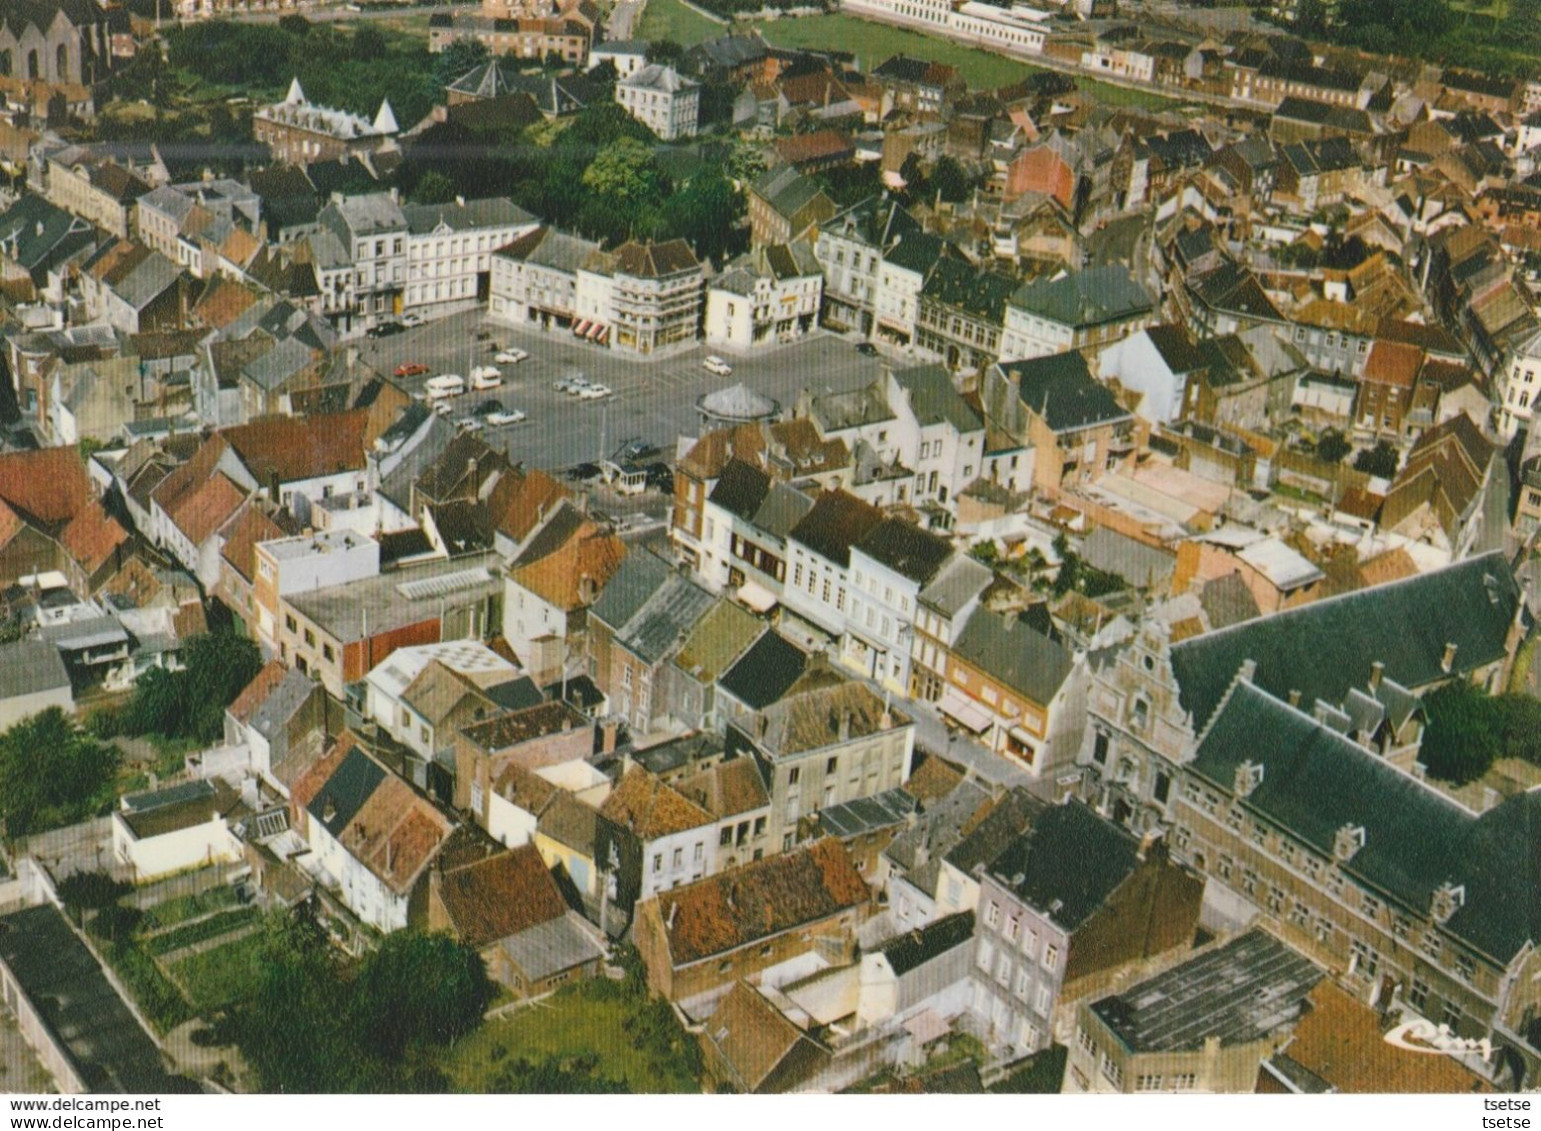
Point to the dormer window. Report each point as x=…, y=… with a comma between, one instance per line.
x=1447, y=900
x=1249, y=775
x=1348, y=841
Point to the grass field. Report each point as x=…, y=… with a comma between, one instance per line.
x=669, y=19
x=218, y=977
x=572, y=1022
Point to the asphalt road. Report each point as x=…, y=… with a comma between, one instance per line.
x=655, y=400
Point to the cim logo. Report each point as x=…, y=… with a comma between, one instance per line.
x=1425, y=1036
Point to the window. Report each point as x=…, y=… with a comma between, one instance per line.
x=992, y=913
x=1024, y=983
x=657, y=862
x=1044, y=1000
x=1011, y=929
x=1432, y=944
x=1100, y=748
x=1418, y=995
x=1113, y=1072
x=1084, y=1039
x=1147, y=1083
x=986, y=955
x=1450, y=1014
x=1300, y=915
x=1224, y=867
x=832, y=766
x=327, y=654
x=1184, y=1081
x=725, y=838
x=1465, y=968
x=699, y=852
x=290, y=624
x=794, y=774
x=1362, y=960
x=1369, y=905
x=1400, y=927
x=1051, y=958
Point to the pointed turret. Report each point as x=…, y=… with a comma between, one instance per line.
x=385, y=120
x=296, y=96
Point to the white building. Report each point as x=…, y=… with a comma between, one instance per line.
x=641, y=298
x=372, y=230
x=389, y=688
x=174, y=829
x=937, y=432
x=768, y=294
x=819, y=556
x=627, y=56
x=307, y=562
x=1073, y=311
x=662, y=99
x=1156, y=363
x=535, y=278
x=1517, y=388
x=450, y=249
x=889, y=566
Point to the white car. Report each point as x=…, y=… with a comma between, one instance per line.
x=509, y=356
x=714, y=364
x=442, y=408
x=486, y=377
x=411, y=319
x=469, y=424
x=594, y=392
x=499, y=419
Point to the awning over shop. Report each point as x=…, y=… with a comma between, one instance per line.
x=960, y=707
x=756, y=596
x=581, y=327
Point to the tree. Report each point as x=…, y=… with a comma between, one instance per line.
x=219, y=665
x=1332, y=446
x=52, y=773
x=294, y=24
x=90, y=891
x=434, y=188
x=460, y=56
x=706, y=214
x=665, y=51
x=368, y=43
x=418, y=989
x=1464, y=733
x=951, y=181
x=1380, y=460
x=557, y=1076
x=625, y=184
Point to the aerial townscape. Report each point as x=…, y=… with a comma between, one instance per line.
x=749, y=546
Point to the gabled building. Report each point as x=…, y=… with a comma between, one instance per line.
x=1076, y=311
x=300, y=133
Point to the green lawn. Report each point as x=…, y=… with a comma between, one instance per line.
x=184, y=907
x=874, y=42
x=586, y=1018
x=217, y=977
x=201, y=930
x=669, y=19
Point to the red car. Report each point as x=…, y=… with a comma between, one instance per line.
x=411, y=369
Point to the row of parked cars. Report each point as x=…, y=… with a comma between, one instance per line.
x=577, y=385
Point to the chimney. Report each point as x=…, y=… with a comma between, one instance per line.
x=845, y=725
x=1447, y=661
x=609, y=732
x=732, y=890
x=1294, y=697
x=762, y=724
x=674, y=909
x=1377, y=670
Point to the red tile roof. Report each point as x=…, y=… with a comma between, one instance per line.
x=92, y=537
x=207, y=507
x=520, y=500
x=501, y=895
x=251, y=526
x=296, y=448
x=48, y=486
x=1393, y=363
x=253, y=694
x=760, y=900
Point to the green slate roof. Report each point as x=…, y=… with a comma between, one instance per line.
x=1325, y=648
x=1085, y=298
x=1315, y=781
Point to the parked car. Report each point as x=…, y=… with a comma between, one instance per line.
x=442, y=408
x=411, y=319
x=511, y=416
x=486, y=377
x=445, y=385
x=715, y=364
x=594, y=392
x=510, y=356
x=386, y=329
x=569, y=383
x=866, y=349
x=469, y=424
x=411, y=369
x=637, y=449
x=583, y=472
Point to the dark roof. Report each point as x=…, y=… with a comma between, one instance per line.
x=741, y=488
x=864, y=815
x=28, y=667
x=906, y=549
x=1004, y=826
x=933, y=940
x=1176, y=348
x=1325, y=648
x=1068, y=863
x=836, y=521
x=1085, y=298
x=345, y=792
x=956, y=283
x=1235, y=290
x=1007, y=648
x=79, y=1007
x=766, y=672
x=1316, y=781
x=1236, y=993
x=1061, y=389
x=935, y=399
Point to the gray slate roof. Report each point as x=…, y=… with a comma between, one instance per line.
x=935, y=400
x=28, y=667
x=1085, y=298
x=1061, y=389
x=1068, y=864
x=1008, y=649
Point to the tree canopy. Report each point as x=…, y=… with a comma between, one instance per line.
x=1380, y=460
x=52, y=773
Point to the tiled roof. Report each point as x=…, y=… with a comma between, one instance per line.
x=500, y=895
x=252, y=695
x=726, y=789
x=1061, y=390
x=650, y=809
x=207, y=507
x=1393, y=363
x=92, y=537
x=569, y=576
x=759, y=901
x=813, y=719
x=1005, y=647
x=296, y=448
x=836, y=522
x=48, y=486
x=524, y=726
